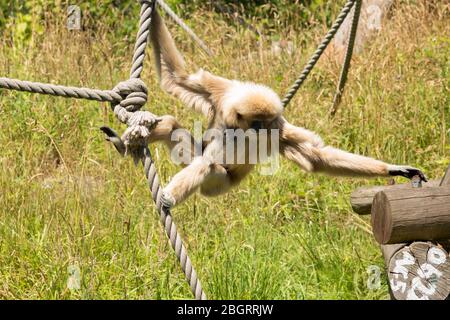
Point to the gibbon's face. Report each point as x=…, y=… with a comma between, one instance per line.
x=247, y=105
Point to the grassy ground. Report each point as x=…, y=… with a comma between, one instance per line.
x=68, y=203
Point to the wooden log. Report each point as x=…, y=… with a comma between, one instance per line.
x=419, y=271
x=362, y=198
x=404, y=215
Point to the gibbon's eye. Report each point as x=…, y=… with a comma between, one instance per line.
x=257, y=125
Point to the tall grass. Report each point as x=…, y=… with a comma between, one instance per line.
x=68, y=201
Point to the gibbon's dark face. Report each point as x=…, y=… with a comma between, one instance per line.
x=248, y=105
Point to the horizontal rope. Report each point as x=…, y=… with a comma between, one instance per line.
x=60, y=91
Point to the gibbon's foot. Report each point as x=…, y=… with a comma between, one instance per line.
x=167, y=200
x=407, y=172
x=114, y=138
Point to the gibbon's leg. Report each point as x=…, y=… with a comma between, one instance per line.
x=306, y=149
x=205, y=171
x=217, y=182
x=182, y=145
x=188, y=180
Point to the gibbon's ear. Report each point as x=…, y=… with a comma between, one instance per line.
x=200, y=90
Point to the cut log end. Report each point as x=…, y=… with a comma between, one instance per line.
x=420, y=271
x=405, y=215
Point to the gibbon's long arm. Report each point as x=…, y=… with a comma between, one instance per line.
x=200, y=91
x=307, y=150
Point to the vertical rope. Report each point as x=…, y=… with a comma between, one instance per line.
x=170, y=227
x=149, y=165
x=142, y=38
x=348, y=57
x=319, y=51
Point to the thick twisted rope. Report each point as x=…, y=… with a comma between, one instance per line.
x=319, y=51
x=348, y=57
x=60, y=91
x=134, y=138
x=184, y=26
x=141, y=39
x=170, y=227
x=138, y=124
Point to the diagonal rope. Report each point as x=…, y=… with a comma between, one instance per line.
x=170, y=227
x=348, y=58
x=184, y=26
x=319, y=51
x=141, y=39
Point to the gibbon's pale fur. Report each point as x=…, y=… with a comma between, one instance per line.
x=232, y=104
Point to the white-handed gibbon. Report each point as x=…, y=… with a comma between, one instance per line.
x=232, y=104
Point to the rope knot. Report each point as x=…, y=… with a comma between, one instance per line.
x=140, y=124
x=136, y=136
x=133, y=93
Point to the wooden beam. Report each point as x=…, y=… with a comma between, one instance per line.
x=403, y=215
x=405, y=263
x=362, y=198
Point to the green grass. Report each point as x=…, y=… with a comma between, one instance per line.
x=68, y=200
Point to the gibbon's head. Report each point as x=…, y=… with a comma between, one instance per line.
x=247, y=105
